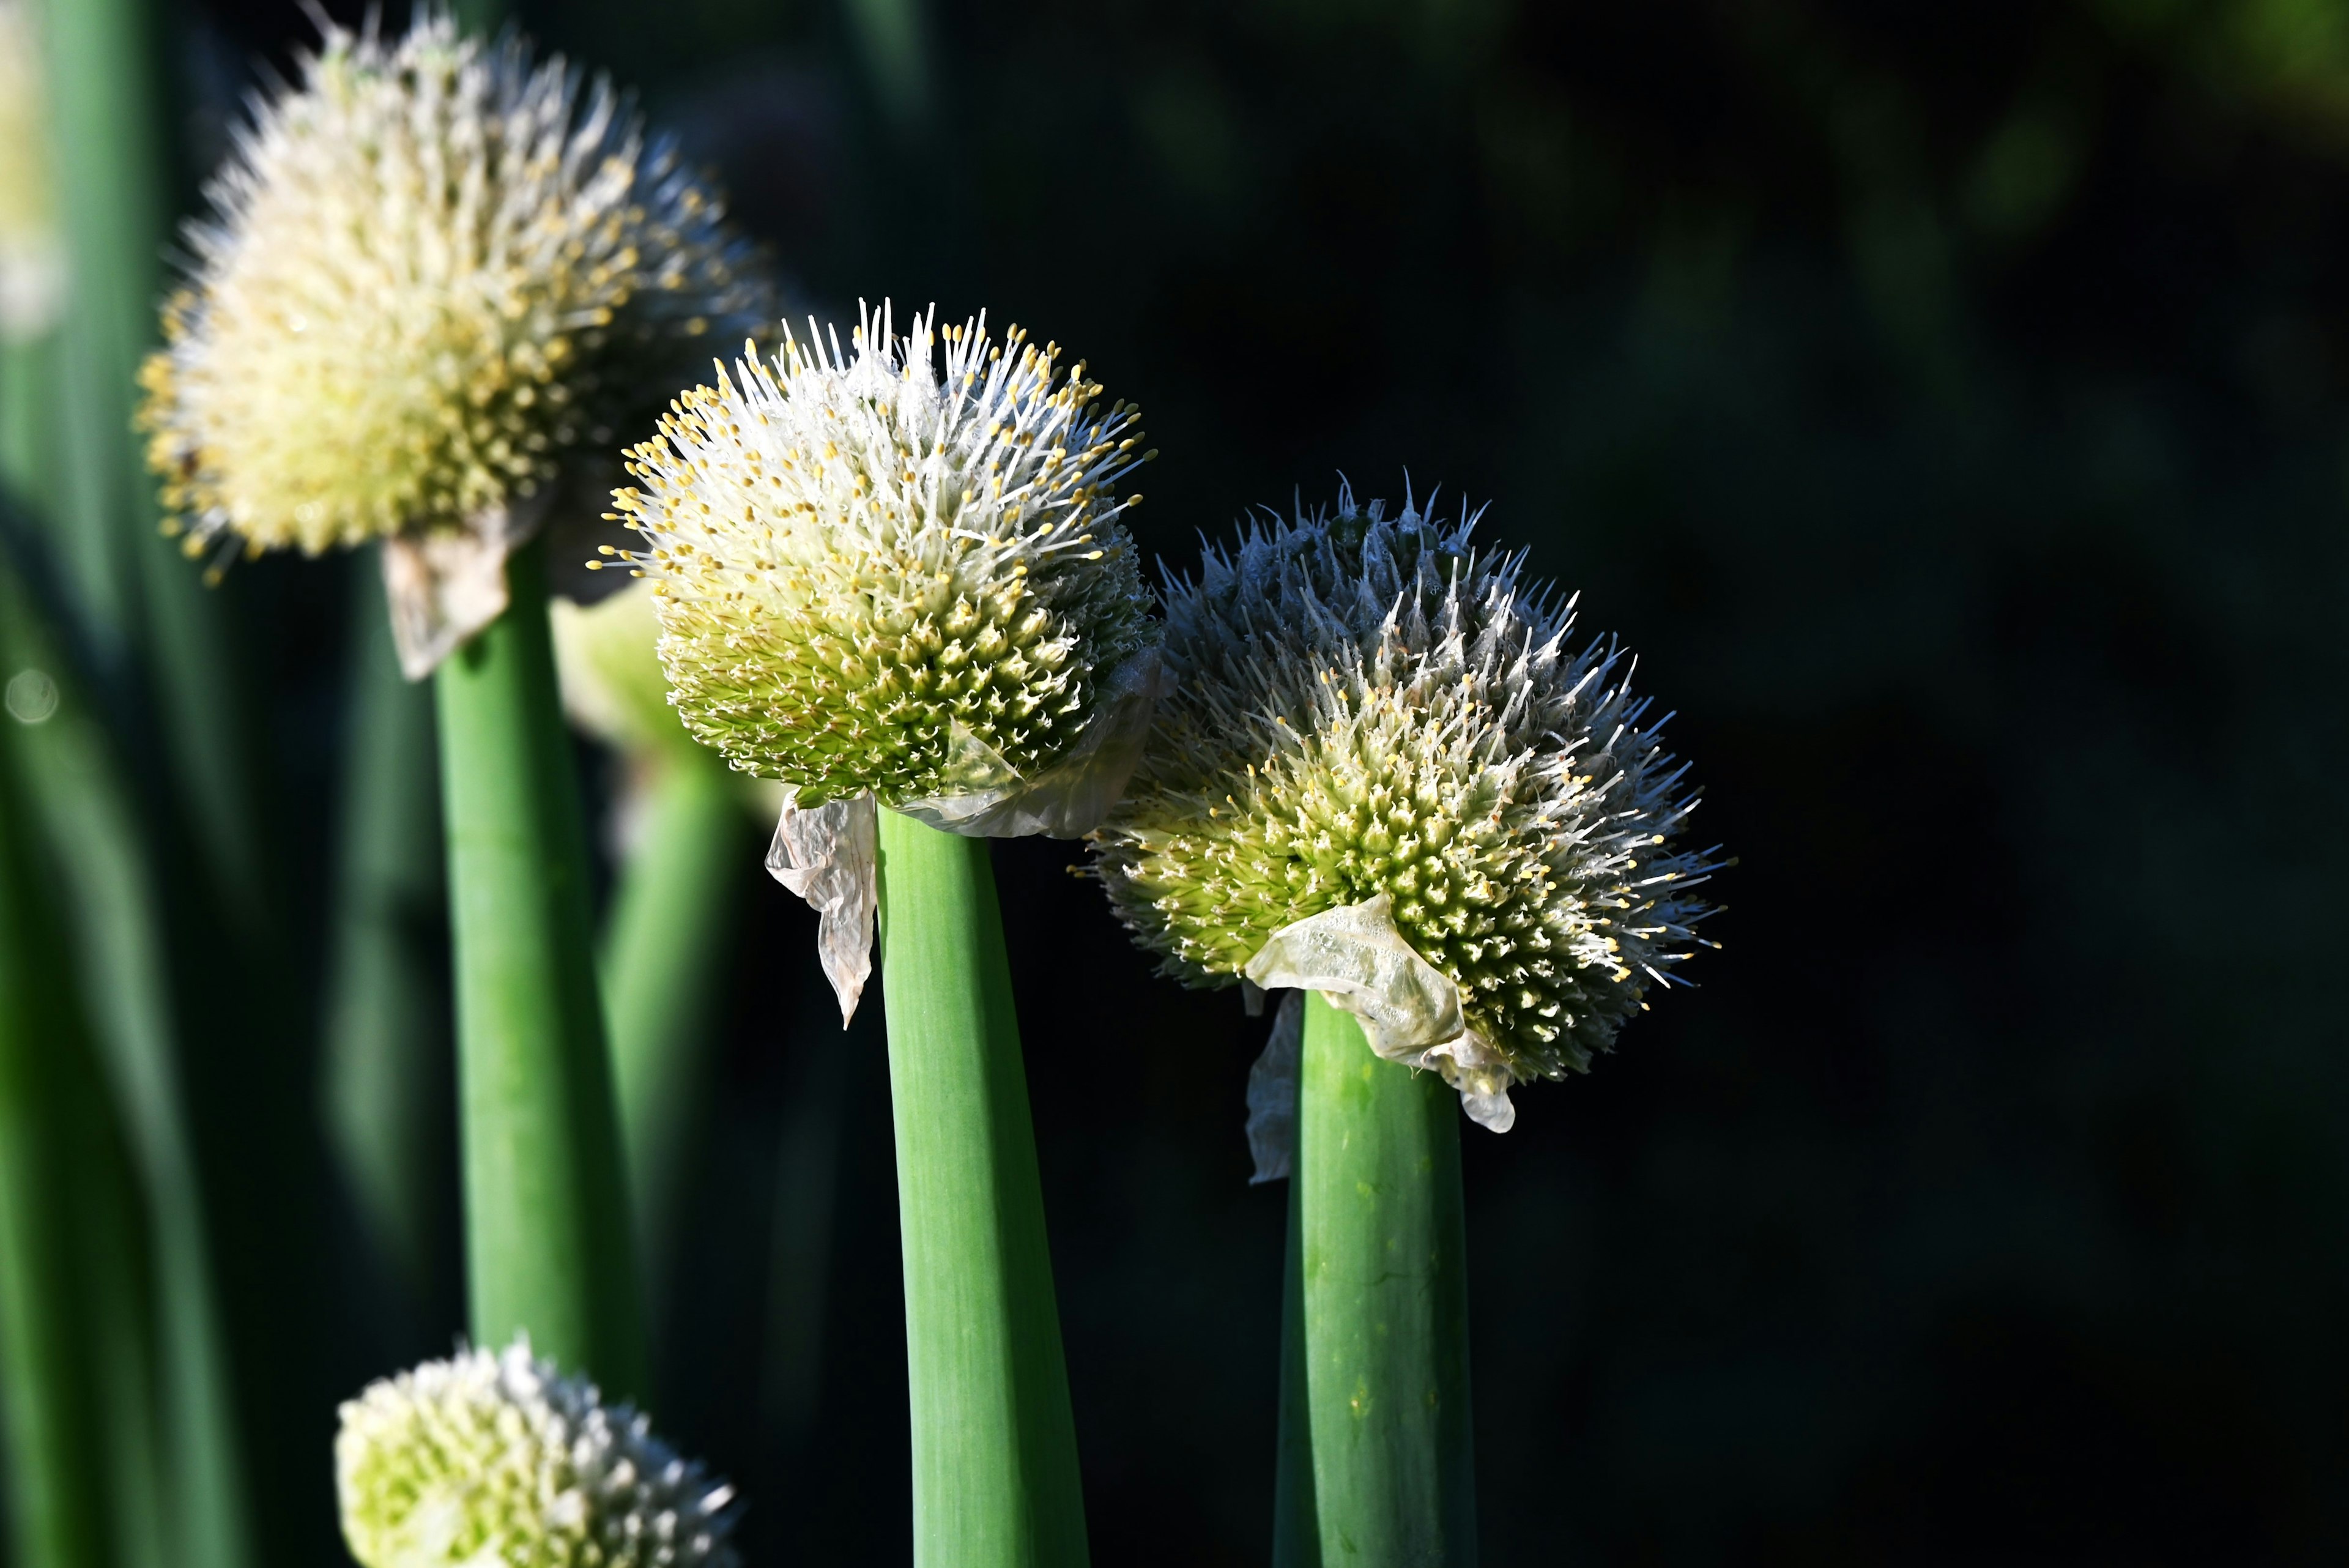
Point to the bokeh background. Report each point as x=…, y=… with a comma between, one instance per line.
x=1949, y=403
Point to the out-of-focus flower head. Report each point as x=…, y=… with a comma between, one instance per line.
x=431, y=270
x=496, y=1457
x=32, y=249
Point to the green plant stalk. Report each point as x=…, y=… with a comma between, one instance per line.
x=145, y=603
x=664, y=959
x=384, y=1069
x=56, y=1487
x=27, y=423
x=996, y=1483
x=1376, y=1460
x=151, y=627
x=547, y=1244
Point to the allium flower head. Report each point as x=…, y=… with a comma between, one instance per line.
x=879, y=572
x=495, y=1458
x=1371, y=716
x=431, y=269
x=32, y=250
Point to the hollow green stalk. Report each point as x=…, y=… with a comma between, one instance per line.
x=995, y=1462
x=547, y=1243
x=664, y=955
x=1376, y=1460
x=56, y=1485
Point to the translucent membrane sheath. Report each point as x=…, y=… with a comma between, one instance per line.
x=665, y=957
x=995, y=1460
x=1376, y=1462
x=56, y=1501
x=547, y=1246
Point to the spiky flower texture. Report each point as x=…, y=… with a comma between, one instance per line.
x=496, y=1459
x=891, y=569
x=431, y=268
x=1367, y=705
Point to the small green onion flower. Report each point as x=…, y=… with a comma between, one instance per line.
x=896, y=577
x=496, y=1457
x=432, y=270
x=32, y=250
x=1384, y=775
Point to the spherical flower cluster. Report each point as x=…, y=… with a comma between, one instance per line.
x=32, y=250
x=878, y=572
x=495, y=1458
x=1366, y=705
x=431, y=268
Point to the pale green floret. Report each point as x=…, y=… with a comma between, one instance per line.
x=1364, y=705
x=874, y=572
x=430, y=270
x=495, y=1460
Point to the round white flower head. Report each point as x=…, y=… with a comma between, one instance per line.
x=495, y=1457
x=1369, y=712
x=32, y=251
x=878, y=572
x=431, y=269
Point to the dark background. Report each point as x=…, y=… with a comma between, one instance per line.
x=1947, y=404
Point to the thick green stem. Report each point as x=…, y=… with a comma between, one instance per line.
x=665, y=957
x=995, y=1456
x=386, y=1075
x=1376, y=1460
x=55, y=1491
x=547, y=1245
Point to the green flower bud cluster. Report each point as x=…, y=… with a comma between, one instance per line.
x=1367, y=705
x=493, y=1457
x=878, y=572
x=431, y=269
